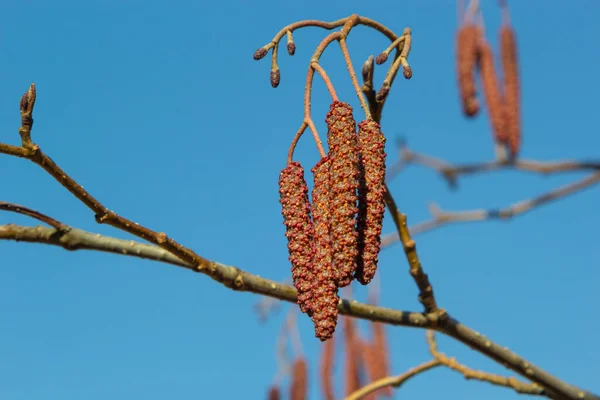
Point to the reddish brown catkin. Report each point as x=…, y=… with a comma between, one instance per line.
x=295, y=207
x=367, y=362
x=327, y=365
x=466, y=57
x=492, y=91
x=352, y=372
x=344, y=173
x=274, y=393
x=299, y=382
x=380, y=348
x=325, y=288
x=508, y=54
x=371, y=201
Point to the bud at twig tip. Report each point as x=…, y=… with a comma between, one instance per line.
x=260, y=53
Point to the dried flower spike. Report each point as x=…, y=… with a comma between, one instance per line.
x=508, y=55
x=492, y=91
x=295, y=207
x=466, y=56
x=299, y=383
x=325, y=287
x=371, y=198
x=344, y=173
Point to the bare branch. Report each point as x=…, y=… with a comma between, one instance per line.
x=33, y=214
x=441, y=217
x=394, y=381
x=468, y=373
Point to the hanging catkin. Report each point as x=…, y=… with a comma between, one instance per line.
x=466, y=57
x=274, y=393
x=508, y=54
x=371, y=198
x=299, y=382
x=327, y=365
x=351, y=353
x=325, y=289
x=344, y=173
x=295, y=207
x=492, y=91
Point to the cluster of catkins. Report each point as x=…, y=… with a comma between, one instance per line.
x=337, y=237
x=502, y=99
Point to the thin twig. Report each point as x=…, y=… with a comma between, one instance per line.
x=394, y=381
x=468, y=373
x=33, y=214
x=441, y=218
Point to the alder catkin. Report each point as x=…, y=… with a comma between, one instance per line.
x=299, y=380
x=327, y=365
x=325, y=278
x=494, y=98
x=274, y=393
x=352, y=372
x=344, y=173
x=466, y=57
x=368, y=362
x=295, y=208
x=508, y=55
x=371, y=203
x=380, y=349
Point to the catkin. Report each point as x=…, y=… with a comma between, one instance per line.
x=299, y=381
x=380, y=349
x=327, y=365
x=295, y=208
x=508, y=55
x=466, y=56
x=492, y=91
x=344, y=173
x=325, y=290
x=371, y=198
x=352, y=373
x=368, y=361
x=274, y=393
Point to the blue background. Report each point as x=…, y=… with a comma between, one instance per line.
x=159, y=110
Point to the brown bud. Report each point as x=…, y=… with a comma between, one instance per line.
x=260, y=53
x=295, y=208
x=291, y=48
x=508, y=55
x=325, y=292
x=382, y=93
x=407, y=71
x=466, y=56
x=275, y=77
x=327, y=365
x=299, y=383
x=344, y=173
x=371, y=200
x=274, y=393
x=492, y=92
x=381, y=58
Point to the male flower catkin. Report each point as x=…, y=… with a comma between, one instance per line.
x=492, y=91
x=325, y=297
x=299, y=380
x=508, y=55
x=326, y=370
x=295, y=207
x=371, y=198
x=466, y=57
x=344, y=173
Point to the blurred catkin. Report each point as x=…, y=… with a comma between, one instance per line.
x=508, y=55
x=352, y=351
x=299, y=380
x=274, y=393
x=325, y=290
x=327, y=366
x=380, y=349
x=368, y=361
x=492, y=91
x=371, y=201
x=344, y=173
x=466, y=57
x=295, y=207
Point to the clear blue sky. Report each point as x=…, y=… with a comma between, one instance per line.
x=158, y=109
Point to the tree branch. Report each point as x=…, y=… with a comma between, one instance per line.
x=236, y=279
